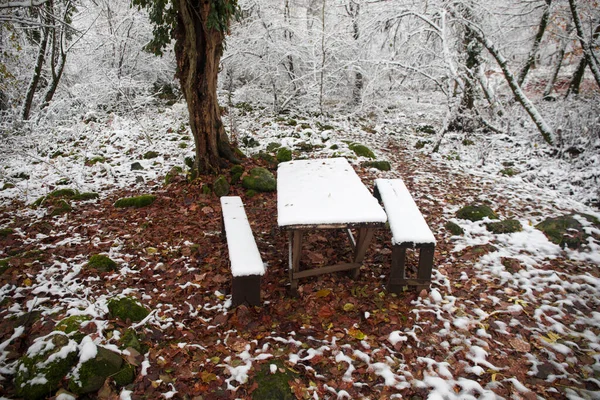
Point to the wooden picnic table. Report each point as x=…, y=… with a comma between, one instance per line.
x=325, y=194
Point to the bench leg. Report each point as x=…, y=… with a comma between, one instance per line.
x=397, y=271
x=425, y=265
x=246, y=289
x=295, y=252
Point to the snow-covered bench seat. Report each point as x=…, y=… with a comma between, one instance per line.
x=409, y=230
x=246, y=264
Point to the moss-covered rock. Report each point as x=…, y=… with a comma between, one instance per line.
x=39, y=375
x=334, y=147
x=260, y=179
x=304, y=146
x=101, y=263
x=221, y=186
x=425, y=128
x=564, y=231
x=508, y=171
x=65, y=192
x=274, y=386
x=94, y=160
x=206, y=190
x=136, y=166
x=361, y=150
x=71, y=326
x=421, y=143
x=130, y=339
x=468, y=142
x=137, y=201
x=86, y=196
x=476, y=213
x=269, y=159
x=5, y=232
x=454, y=228
x=506, y=226
x=249, y=141
x=93, y=373
x=236, y=173
x=60, y=207
x=273, y=146
x=127, y=308
x=173, y=174
x=380, y=165
x=284, y=154
x=150, y=155
x=7, y=185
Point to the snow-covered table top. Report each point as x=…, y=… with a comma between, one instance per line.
x=324, y=192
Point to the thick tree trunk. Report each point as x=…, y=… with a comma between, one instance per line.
x=198, y=50
x=536, y=44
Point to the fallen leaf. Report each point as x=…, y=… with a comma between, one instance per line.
x=356, y=333
x=520, y=345
x=348, y=307
x=323, y=292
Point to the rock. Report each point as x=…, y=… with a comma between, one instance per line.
x=269, y=159
x=49, y=367
x=361, y=150
x=506, y=226
x=150, y=154
x=101, y=263
x=380, y=165
x=136, y=166
x=71, y=326
x=273, y=146
x=139, y=179
x=284, y=154
x=260, y=179
x=454, y=228
x=236, y=173
x=564, y=231
x=221, y=186
x=476, y=213
x=137, y=202
x=93, y=373
x=127, y=308
x=274, y=385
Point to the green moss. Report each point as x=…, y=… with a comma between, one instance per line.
x=172, y=174
x=4, y=265
x=292, y=122
x=284, y=154
x=591, y=219
x=221, y=186
x=325, y=127
x=206, y=190
x=506, y=226
x=137, y=201
x=274, y=386
x=66, y=192
x=189, y=162
x=251, y=193
x=239, y=153
x=454, y=228
x=260, y=179
x=4, y=232
x=130, y=339
x=334, y=147
x=150, y=154
x=53, y=370
x=236, y=173
x=95, y=160
x=102, y=263
x=86, y=196
x=71, y=326
x=7, y=186
x=380, y=165
x=136, y=166
x=93, y=373
x=269, y=159
x=127, y=308
x=361, y=150
x=63, y=182
x=564, y=231
x=273, y=146
x=421, y=143
x=60, y=207
x=508, y=172
x=452, y=156
x=183, y=145
x=249, y=141
x=424, y=128
x=125, y=376
x=305, y=125
x=468, y=142
x=476, y=213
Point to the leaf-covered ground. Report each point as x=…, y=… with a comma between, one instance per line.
x=508, y=315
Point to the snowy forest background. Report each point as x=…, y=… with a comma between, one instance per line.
x=420, y=61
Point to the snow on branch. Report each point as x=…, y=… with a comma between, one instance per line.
x=23, y=3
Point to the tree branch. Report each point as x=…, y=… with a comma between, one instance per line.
x=23, y=3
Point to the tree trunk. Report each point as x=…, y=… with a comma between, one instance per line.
x=580, y=71
x=536, y=44
x=561, y=56
x=37, y=72
x=198, y=50
x=587, y=49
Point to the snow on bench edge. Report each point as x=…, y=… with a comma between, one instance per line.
x=406, y=221
x=243, y=252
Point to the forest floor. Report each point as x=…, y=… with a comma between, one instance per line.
x=508, y=315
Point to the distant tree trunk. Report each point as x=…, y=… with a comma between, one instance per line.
x=587, y=48
x=353, y=10
x=58, y=57
x=580, y=70
x=559, y=59
x=536, y=44
x=198, y=49
x=288, y=35
x=323, y=58
x=37, y=71
x=542, y=126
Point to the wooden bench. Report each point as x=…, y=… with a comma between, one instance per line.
x=246, y=264
x=409, y=230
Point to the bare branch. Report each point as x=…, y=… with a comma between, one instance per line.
x=23, y=3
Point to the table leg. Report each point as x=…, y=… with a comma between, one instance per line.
x=365, y=235
x=295, y=252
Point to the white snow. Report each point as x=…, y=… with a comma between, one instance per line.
x=243, y=252
x=323, y=191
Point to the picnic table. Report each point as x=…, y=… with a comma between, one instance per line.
x=325, y=194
